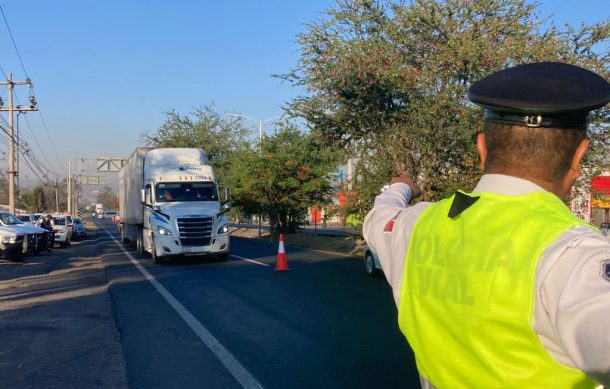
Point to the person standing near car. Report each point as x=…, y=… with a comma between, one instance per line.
x=504, y=286
x=46, y=222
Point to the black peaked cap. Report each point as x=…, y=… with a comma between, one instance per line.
x=547, y=94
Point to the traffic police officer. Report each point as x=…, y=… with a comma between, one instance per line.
x=504, y=286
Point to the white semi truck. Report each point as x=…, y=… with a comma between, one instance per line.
x=170, y=204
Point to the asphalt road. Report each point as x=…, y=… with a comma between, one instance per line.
x=194, y=323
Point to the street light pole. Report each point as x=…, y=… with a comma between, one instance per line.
x=260, y=126
x=260, y=146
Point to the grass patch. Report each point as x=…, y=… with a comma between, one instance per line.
x=348, y=245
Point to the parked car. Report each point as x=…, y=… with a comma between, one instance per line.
x=27, y=218
x=70, y=223
x=35, y=238
x=79, y=228
x=11, y=244
x=63, y=233
x=372, y=266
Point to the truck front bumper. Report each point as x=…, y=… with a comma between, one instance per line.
x=169, y=245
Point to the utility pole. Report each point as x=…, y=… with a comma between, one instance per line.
x=69, y=188
x=56, y=197
x=12, y=173
x=260, y=148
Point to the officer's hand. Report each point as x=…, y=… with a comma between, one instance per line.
x=405, y=178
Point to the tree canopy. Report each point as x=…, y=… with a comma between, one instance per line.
x=280, y=177
x=107, y=198
x=289, y=173
x=219, y=137
x=388, y=81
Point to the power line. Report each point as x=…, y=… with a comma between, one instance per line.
x=22, y=139
x=5, y=138
x=44, y=124
x=14, y=44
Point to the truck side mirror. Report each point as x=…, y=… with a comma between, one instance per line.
x=226, y=200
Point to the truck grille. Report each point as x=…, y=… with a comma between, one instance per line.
x=195, y=231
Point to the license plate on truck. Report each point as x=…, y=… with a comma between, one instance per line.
x=187, y=249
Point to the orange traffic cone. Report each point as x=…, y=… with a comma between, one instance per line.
x=281, y=264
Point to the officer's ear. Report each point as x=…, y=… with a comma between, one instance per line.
x=574, y=170
x=481, y=147
x=578, y=156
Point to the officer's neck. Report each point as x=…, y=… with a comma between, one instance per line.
x=557, y=187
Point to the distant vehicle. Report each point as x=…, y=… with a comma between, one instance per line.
x=109, y=214
x=79, y=228
x=604, y=228
x=169, y=204
x=372, y=266
x=99, y=208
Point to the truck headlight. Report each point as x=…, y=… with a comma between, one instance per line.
x=162, y=231
x=223, y=229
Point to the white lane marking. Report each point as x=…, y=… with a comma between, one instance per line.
x=250, y=260
x=237, y=370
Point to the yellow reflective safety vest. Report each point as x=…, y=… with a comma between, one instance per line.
x=468, y=291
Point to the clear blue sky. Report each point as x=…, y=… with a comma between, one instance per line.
x=105, y=71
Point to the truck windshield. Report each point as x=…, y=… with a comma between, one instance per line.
x=185, y=191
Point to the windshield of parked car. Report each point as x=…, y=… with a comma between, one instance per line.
x=9, y=219
x=186, y=191
x=24, y=218
x=59, y=220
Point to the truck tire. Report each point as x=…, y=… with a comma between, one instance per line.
x=156, y=259
x=140, y=244
x=222, y=256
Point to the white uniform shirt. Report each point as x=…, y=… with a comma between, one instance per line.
x=572, y=307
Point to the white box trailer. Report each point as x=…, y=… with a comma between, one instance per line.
x=169, y=204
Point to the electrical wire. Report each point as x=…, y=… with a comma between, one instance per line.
x=13, y=40
x=26, y=152
x=44, y=124
x=20, y=141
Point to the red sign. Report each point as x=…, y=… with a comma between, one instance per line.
x=601, y=184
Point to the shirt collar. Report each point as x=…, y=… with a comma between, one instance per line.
x=506, y=185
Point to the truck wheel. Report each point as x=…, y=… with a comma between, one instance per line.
x=140, y=244
x=222, y=256
x=156, y=259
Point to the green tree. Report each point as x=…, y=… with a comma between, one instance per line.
x=35, y=199
x=3, y=189
x=291, y=172
x=388, y=82
x=107, y=198
x=206, y=129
